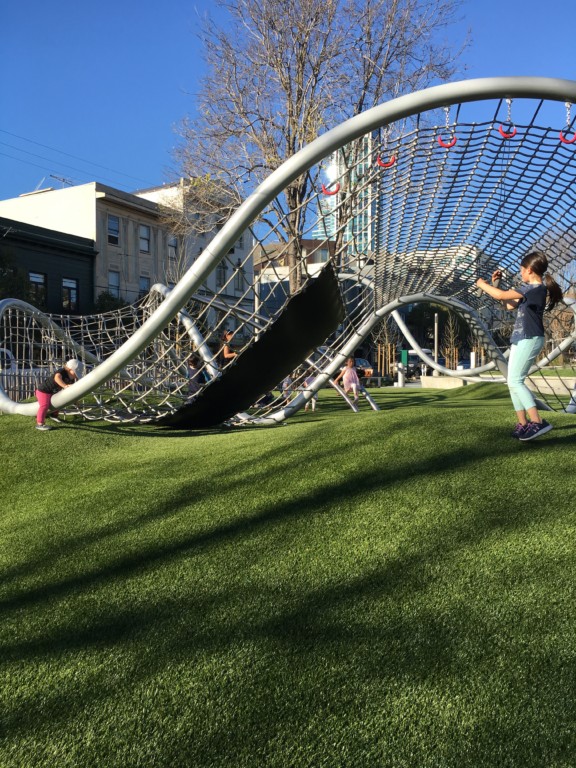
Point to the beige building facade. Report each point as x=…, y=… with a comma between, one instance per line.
x=133, y=242
x=131, y=245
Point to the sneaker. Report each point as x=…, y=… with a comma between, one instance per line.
x=57, y=419
x=43, y=427
x=519, y=430
x=535, y=430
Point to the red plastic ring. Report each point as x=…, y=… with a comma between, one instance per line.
x=505, y=134
x=327, y=191
x=389, y=164
x=567, y=141
x=447, y=144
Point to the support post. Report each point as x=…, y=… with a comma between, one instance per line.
x=435, y=372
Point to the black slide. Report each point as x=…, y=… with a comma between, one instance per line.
x=309, y=317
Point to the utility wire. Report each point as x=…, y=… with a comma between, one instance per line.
x=52, y=168
x=41, y=157
x=67, y=154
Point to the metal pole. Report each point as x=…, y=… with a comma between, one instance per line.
x=435, y=372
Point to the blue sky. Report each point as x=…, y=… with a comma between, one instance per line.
x=93, y=91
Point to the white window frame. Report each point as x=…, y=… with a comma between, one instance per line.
x=114, y=283
x=113, y=235
x=144, y=238
x=70, y=289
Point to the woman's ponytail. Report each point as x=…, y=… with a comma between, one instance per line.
x=538, y=263
x=555, y=294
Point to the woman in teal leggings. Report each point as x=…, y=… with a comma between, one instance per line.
x=539, y=292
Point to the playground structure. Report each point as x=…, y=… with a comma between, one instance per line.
x=411, y=201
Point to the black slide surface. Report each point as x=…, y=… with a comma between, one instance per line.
x=309, y=317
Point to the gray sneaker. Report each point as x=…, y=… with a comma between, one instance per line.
x=43, y=427
x=57, y=419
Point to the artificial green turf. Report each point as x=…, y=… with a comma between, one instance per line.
x=374, y=589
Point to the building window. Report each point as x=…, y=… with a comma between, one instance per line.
x=238, y=244
x=114, y=283
x=113, y=230
x=221, y=274
x=144, y=286
x=239, y=279
x=69, y=294
x=144, y=236
x=172, y=247
x=37, y=289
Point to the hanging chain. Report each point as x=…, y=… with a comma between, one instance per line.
x=385, y=137
x=509, y=112
x=564, y=133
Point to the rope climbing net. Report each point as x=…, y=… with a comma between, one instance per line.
x=408, y=203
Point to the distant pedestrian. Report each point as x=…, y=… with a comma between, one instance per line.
x=287, y=388
x=195, y=376
x=314, y=399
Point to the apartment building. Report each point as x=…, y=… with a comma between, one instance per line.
x=55, y=270
x=132, y=241
x=232, y=279
x=131, y=248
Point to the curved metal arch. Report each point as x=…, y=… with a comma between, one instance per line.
x=499, y=359
x=358, y=336
x=459, y=306
x=383, y=114
x=470, y=314
x=7, y=405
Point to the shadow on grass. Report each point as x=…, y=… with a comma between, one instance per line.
x=339, y=659
x=150, y=430
x=222, y=485
x=355, y=661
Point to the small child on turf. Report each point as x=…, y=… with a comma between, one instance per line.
x=287, y=387
x=195, y=376
x=307, y=384
x=350, y=379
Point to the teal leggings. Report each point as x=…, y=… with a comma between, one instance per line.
x=522, y=356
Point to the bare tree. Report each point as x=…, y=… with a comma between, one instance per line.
x=281, y=72
x=451, y=341
x=567, y=278
x=387, y=337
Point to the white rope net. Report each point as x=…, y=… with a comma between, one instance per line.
x=417, y=208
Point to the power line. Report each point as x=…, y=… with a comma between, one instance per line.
x=67, y=154
x=41, y=157
x=89, y=174
x=49, y=169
